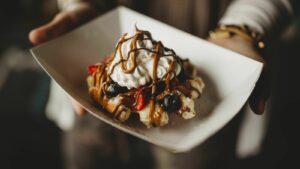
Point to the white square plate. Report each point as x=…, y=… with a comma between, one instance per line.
x=229, y=77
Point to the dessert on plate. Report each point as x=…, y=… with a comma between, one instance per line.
x=143, y=76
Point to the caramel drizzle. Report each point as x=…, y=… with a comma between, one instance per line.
x=155, y=117
x=169, y=75
x=157, y=53
x=104, y=75
x=132, y=53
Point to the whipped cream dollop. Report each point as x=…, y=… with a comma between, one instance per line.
x=143, y=71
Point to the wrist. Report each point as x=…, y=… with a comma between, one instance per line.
x=238, y=44
x=239, y=32
x=77, y=6
x=66, y=5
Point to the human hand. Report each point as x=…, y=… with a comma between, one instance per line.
x=261, y=91
x=77, y=107
x=62, y=23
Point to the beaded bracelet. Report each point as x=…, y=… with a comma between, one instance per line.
x=226, y=31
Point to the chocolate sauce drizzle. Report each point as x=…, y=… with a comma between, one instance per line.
x=140, y=35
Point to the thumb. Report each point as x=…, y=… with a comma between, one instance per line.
x=63, y=22
x=261, y=92
x=58, y=26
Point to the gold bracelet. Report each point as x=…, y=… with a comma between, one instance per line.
x=227, y=31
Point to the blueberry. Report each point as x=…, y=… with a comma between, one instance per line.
x=181, y=76
x=160, y=87
x=171, y=103
x=113, y=89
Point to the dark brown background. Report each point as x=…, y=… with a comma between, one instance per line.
x=29, y=140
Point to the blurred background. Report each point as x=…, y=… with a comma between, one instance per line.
x=29, y=140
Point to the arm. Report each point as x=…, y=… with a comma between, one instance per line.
x=265, y=17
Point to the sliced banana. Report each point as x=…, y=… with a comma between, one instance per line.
x=198, y=84
x=187, y=110
x=145, y=116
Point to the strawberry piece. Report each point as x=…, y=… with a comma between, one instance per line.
x=92, y=69
x=140, y=100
